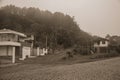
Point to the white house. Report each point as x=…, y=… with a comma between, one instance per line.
x=101, y=45
x=12, y=43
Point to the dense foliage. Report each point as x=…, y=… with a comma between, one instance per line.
x=60, y=29
x=114, y=42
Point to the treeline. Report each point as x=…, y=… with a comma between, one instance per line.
x=60, y=29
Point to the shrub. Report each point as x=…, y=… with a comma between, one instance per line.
x=64, y=58
x=81, y=50
x=69, y=54
x=105, y=55
x=118, y=49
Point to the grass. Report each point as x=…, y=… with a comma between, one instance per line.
x=54, y=67
x=98, y=70
x=58, y=58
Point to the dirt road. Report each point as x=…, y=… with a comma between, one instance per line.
x=99, y=70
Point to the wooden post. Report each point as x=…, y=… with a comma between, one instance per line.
x=32, y=52
x=98, y=49
x=13, y=55
x=21, y=52
x=7, y=50
x=32, y=45
x=46, y=42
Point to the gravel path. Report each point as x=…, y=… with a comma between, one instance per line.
x=99, y=70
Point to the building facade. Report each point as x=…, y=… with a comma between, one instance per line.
x=12, y=43
x=101, y=45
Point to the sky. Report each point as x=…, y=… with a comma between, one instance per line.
x=97, y=17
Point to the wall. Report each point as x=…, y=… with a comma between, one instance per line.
x=104, y=45
x=25, y=52
x=5, y=51
x=101, y=44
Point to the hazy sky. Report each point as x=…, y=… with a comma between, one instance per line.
x=98, y=17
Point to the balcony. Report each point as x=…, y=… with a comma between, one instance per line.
x=9, y=43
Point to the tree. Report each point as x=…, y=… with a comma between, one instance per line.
x=60, y=29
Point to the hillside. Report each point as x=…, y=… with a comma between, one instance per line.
x=60, y=29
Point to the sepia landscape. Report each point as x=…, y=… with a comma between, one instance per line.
x=59, y=40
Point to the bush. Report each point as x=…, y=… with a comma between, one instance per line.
x=81, y=50
x=64, y=58
x=69, y=54
x=118, y=49
x=105, y=55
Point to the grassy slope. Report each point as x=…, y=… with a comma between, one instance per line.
x=55, y=59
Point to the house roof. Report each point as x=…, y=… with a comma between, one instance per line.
x=2, y=31
x=100, y=39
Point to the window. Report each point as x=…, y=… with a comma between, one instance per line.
x=103, y=42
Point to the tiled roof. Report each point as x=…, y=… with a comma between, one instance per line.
x=101, y=39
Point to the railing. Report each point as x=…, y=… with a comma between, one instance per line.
x=9, y=43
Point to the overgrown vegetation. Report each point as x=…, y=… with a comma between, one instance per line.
x=58, y=29
x=105, y=55
x=61, y=30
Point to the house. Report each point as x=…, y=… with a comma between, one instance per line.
x=13, y=44
x=101, y=45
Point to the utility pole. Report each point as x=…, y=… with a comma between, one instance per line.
x=46, y=42
x=32, y=38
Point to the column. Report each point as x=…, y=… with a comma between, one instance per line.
x=13, y=55
x=38, y=51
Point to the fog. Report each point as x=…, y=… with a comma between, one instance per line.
x=97, y=17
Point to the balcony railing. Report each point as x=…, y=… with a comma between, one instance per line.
x=9, y=43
